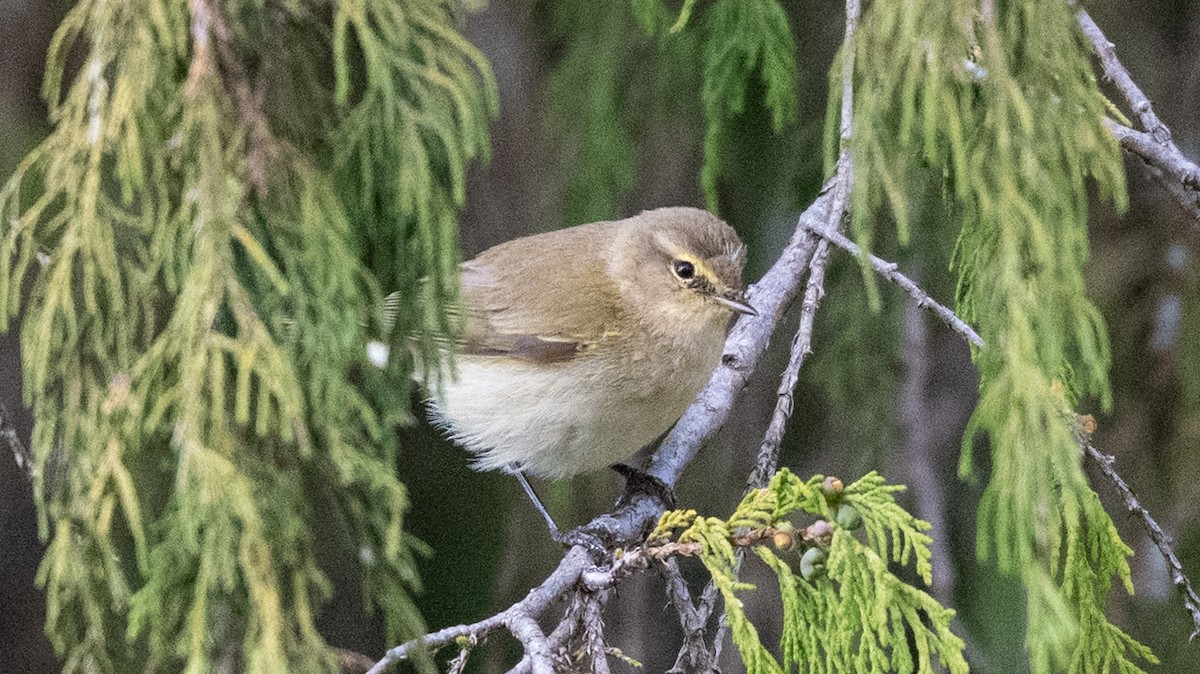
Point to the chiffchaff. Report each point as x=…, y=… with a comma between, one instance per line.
x=585, y=344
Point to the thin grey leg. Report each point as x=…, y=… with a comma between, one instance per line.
x=537, y=502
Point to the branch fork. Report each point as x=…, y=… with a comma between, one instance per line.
x=1153, y=144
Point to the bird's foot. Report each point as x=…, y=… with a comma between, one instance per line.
x=640, y=483
x=596, y=540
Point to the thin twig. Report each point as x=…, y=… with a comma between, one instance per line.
x=8, y=433
x=1153, y=144
x=459, y=662
x=888, y=270
x=694, y=655
x=526, y=629
x=1191, y=601
x=1165, y=162
x=593, y=632
x=920, y=459
x=516, y=617
x=1115, y=72
x=768, y=454
x=570, y=624
x=697, y=656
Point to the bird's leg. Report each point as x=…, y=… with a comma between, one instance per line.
x=578, y=536
x=515, y=469
x=598, y=537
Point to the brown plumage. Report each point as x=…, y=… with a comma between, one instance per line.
x=583, y=344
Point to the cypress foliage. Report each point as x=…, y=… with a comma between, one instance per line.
x=201, y=248
x=639, y=85
x=590, y=123
x=853, y=615
x=1006, y=108
x=742, y=39
x=214, y=214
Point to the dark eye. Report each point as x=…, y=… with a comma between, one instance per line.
x=684, y=269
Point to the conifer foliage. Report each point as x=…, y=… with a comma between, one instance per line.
x=845, y=611
x=1001, y=101
x=200, y=250
x=228, y=188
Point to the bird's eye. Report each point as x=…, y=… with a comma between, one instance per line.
x=684, y=269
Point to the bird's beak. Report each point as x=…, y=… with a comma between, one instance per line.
x=736, y=301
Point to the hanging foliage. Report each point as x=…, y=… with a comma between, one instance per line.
x=201, y=253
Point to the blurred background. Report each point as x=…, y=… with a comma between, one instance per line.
x=888, y=390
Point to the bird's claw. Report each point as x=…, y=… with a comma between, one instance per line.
x=595, y=540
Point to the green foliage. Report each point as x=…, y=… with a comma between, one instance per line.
x=640, y=94
x=637, y=88
x=742, y=38
x=1004, y=108
x=194, y=340
x=589, y=123
x=858, y=616
x=417, y=115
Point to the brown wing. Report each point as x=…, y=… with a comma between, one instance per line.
x=545, y=298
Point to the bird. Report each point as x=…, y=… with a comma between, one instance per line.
x=582, y=345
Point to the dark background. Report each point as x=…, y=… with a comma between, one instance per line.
x=488, y=547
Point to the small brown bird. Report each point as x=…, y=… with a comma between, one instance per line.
x=585, y=344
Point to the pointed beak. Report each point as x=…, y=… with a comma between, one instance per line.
x=736, y=301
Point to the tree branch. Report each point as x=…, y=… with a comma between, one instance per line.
x=1191, y=601
x=1116, y=73
x=515, y=618
x=1165, y=162
x=525, y=628
x=888, y=270
x=768, y=455
x=568, y=626
x=1154, y=145
x=694, y=654
x=593, y=631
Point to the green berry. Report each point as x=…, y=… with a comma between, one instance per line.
x=848, y=517
x=812, y=564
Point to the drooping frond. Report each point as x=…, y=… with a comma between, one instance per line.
x=195, y=331
x=1002, y=108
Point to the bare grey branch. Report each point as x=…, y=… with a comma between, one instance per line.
x=1154, y=145
x=1191, y=601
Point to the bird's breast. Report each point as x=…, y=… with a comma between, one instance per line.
x=561, y=419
